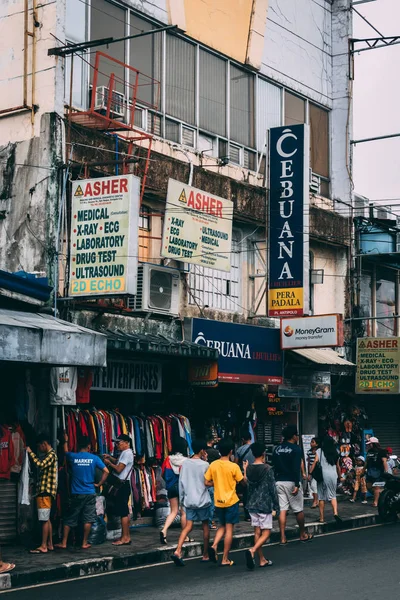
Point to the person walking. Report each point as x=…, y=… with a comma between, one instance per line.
x=122, y=468
x=46, y=489
x=244, y=453
x=82, y=466
x=310, y=461
x=328, y=457
x=170, y=469
x=286, y=460
x=195, y=499
x=360, y=484
x=377, y=465
x=224, y=474
x=262, y=504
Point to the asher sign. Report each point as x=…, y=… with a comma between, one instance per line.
x=321, y=331
x=128, y=376
x=104, y=236
x=197, y=227
x=378, y=361
x=247, y=354
x=288, y=221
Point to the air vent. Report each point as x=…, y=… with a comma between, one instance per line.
x=188, y=137
x=234, y=154
x=117, y=105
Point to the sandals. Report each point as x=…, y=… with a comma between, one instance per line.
x=163, y=538
x=6, y=568
x=177, y=560
x=309, y=538
x=269, y=563
x=250, y=562
x=231, y=563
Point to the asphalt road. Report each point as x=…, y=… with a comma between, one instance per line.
x=356, y=565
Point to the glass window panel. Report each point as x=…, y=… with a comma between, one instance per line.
x=269, y=110
x=145, y=56
x=385, y=306
x=295, y=110
x=108, y=20
x=319, y=140
x=212, y=93
x=241, y=106
x=180, y=79
x=172, y=131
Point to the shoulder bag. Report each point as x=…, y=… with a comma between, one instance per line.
x=317, y=472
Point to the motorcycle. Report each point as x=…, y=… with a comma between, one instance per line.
x=389, y=499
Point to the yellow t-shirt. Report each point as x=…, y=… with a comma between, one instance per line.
x=225, y=475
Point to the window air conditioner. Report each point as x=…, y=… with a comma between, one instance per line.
x=157, y=290
x=315, y=183
x=117, y=106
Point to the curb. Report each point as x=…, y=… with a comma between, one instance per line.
x=107, y=564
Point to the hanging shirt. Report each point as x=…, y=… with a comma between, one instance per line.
x=63, y=382
x=83, y=467
x=85, y=379
x=7, y=457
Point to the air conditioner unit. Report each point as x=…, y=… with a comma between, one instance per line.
x=157, y=290
x=360, y=206
x=315, y=183
x=117, y=106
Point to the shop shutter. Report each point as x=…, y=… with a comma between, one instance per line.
x=8, y=510
x=384, y=419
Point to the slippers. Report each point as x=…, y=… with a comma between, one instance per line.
x=338, y=519
x=37, y=551
x=231, y=563
x=250, y=563
x=269, y=563
x=308, y=538
x=177, y=560
x=213, y=555
x=188, y=540
x=205, y=560
x=283, y=543
x=89, y=546
x=163, y=538
x=316, y=506
x=6, y=568
x=121, y=544
x=57, y=547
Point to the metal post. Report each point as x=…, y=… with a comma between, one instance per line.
x=54, y=429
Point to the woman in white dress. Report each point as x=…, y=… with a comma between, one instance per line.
x=328, y=457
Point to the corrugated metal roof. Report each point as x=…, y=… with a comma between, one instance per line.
x=323, y=356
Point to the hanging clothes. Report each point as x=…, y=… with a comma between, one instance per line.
x=7, y=456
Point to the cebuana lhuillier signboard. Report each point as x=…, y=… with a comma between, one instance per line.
x=378, y=362
x=197, y=227
x=288, y=221
x=104, y=236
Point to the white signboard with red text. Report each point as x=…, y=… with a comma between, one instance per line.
x=197, y=227
x=321, y=331
x=104, y=236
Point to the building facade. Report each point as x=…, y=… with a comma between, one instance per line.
x=84, y=94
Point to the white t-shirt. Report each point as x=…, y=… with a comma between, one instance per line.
x=126, y=459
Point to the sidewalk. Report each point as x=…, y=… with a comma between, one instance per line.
x=146, y=549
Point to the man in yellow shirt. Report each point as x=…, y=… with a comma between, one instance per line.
x=224, y=475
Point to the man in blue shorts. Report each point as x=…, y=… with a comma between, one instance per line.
x=194, y=497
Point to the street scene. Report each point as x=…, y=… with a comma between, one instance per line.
x=199, y=298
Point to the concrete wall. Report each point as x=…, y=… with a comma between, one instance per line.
x=44, y=90
x=332, y=295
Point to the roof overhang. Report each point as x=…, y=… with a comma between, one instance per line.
x=37, y=338
x=323, y=356
x=160, y=345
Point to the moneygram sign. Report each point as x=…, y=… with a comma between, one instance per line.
x=197, y=227
x=104, y=236
x=322, y=331
x=288, y=221
x=378, y=362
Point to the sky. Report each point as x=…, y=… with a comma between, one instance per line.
x=377, y=104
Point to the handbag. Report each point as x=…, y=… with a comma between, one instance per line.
x=317, y=472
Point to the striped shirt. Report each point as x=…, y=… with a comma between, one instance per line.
x=310, y=458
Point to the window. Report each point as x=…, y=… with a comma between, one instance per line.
x=212, y=93
x=268, y=110
x=180, y=79
x=241, y=106
x=145, y=56
x=217, y=289
x=144, y=234
x=319, y=145
x=385, y=303
x=108, y=20
x=295, y=109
